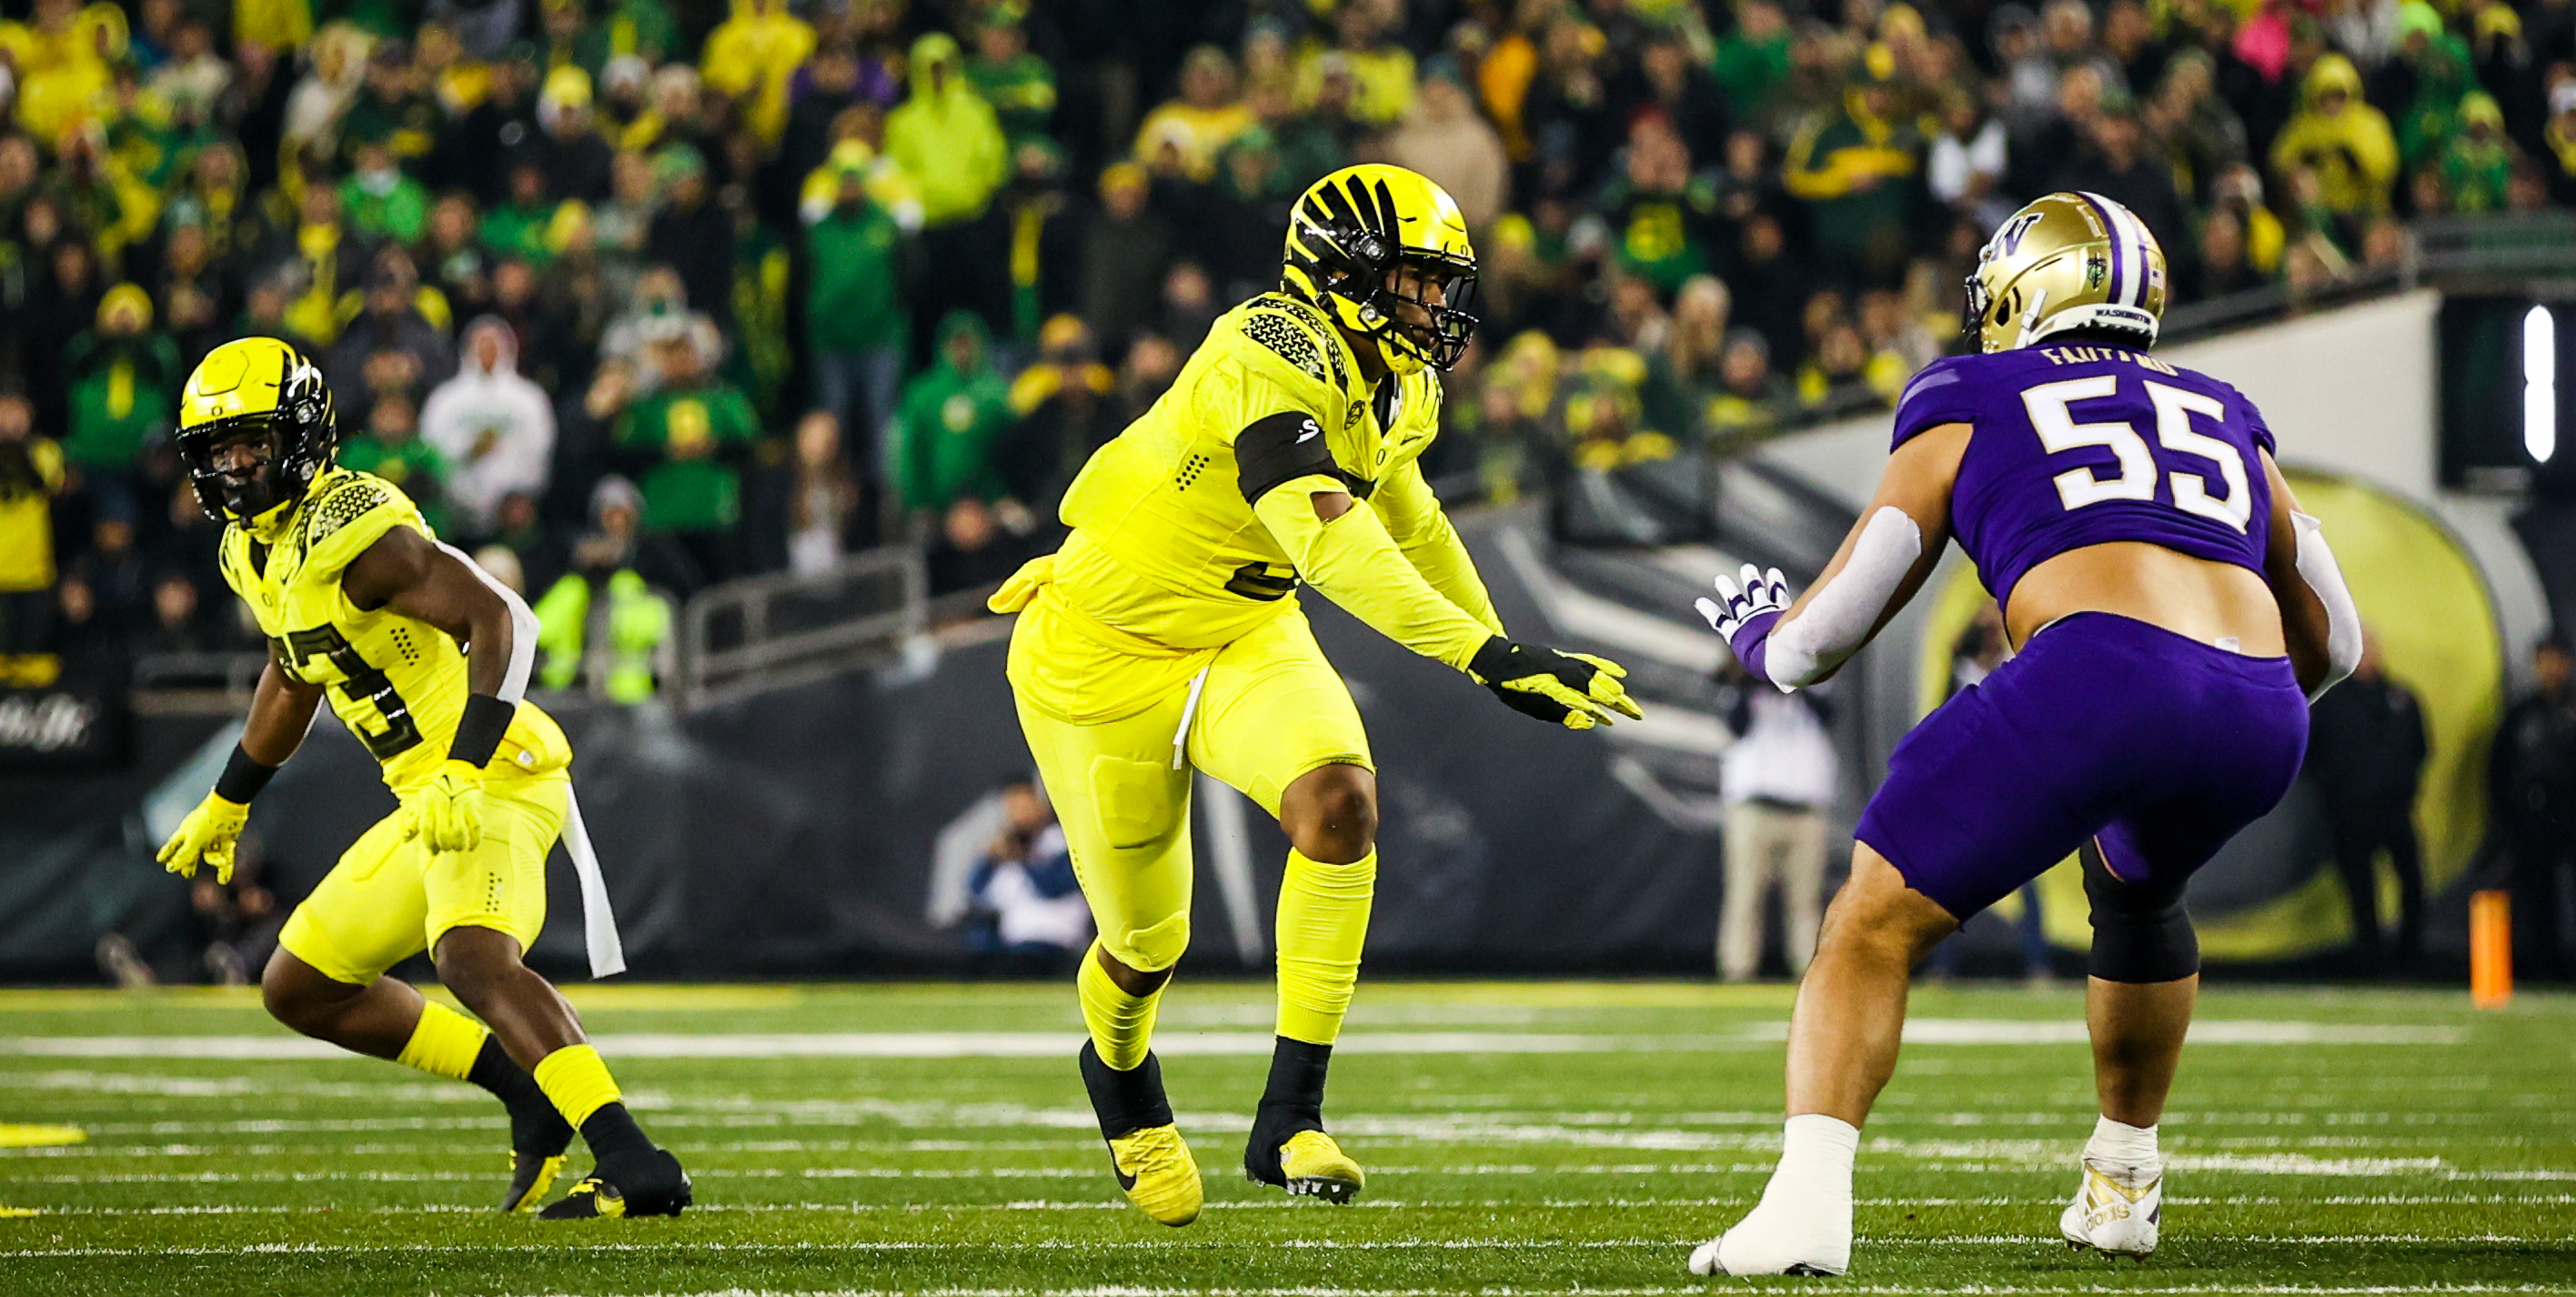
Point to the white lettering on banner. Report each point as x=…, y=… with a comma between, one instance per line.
x=49, y=724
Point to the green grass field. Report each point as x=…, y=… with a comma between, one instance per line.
x=1519, y=1137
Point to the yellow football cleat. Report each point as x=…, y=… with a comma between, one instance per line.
x=530, y=1177
x=1154, y=1166
x=1317, y=1167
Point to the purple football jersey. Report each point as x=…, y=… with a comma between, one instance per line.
x=2083, y=445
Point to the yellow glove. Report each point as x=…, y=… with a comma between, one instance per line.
x=1575, y=690
x=448, y=811
x=207, y=834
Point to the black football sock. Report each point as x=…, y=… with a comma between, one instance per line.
x=508, y=1082
x=535, y=1124
x=1297, y=1078
x=612, y=1132
x=1292, y=1101
x=1125, y=1102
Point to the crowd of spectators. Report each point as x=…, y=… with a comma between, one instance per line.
x=636, y=296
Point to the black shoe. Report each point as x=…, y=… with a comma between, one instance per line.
x=648, y=1184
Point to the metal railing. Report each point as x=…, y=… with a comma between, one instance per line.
x=770, y=632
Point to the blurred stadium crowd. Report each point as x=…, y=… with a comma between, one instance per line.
x=637, y=296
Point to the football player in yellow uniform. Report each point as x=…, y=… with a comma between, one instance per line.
x=424, y=658
x=1165, y=636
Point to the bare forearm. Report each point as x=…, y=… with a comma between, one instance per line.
x=281, y=710
x=487, y=652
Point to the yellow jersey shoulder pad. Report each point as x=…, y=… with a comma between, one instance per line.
x=348, y=511
x=1297, y=334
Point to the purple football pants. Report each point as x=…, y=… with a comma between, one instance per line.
x=2103, y=727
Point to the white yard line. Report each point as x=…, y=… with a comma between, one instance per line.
x=896, y=1044
x=1113, y=1204
x=1697, y=1290
x=1058, y=1044
x=553, y=1245
x=2210, y=1031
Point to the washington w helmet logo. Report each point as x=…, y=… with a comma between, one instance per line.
x=2007, y=241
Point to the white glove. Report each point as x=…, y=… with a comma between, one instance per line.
x=1762, y=592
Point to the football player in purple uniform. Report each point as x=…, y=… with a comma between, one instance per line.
x=2173, y=613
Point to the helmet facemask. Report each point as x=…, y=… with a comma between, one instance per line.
x=1435, y=330
x=238, y=467
x=1413, y=302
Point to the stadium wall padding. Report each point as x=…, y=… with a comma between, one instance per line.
x=792, y=832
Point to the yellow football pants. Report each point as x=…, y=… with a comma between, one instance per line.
x=1268, y=710
x=391, y=897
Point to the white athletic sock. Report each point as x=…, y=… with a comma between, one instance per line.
x=2121, y=1144
x=1816, y=1153
x=1804, y=1221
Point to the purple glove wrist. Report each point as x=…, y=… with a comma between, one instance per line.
x=1752, y=642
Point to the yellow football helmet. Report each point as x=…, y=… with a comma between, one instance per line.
x=1348, y=236
x=261, y=391
x=2066, y=261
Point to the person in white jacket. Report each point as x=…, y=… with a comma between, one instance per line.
x=495, y=427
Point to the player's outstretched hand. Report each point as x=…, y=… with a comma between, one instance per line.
x=1745, y=615
x=448, y=810
x=1575, y=690
x=207, y=834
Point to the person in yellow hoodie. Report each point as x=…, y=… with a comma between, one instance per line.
x=946, y=137
x=61, y=59
x=754, y=53
x=2344, y=142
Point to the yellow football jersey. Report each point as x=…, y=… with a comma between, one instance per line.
x=397, y=683
x=1164, y=545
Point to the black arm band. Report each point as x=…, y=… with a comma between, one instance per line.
x=1279, y=449
x=242, y=778
x=479, y=730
